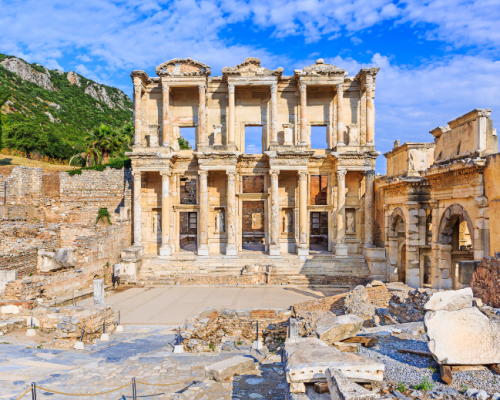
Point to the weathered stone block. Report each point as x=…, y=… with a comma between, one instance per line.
x=6, y=277
x=342, y=388
x=335, y=329
x=450, y=300
x=229, y=367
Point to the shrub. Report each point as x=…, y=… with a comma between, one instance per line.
x=103, y=213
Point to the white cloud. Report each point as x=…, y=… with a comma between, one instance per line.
x=84, y=57
x=52, y=64
x=355, y=40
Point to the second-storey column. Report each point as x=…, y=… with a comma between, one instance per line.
x=303, y=250
x=274, y=114
x=303, y=114
x=369, y=206
x=274, y=247
x=231, y=248
x=230, y=122
x=370, y=115
x=341, y=247
x=166, y=115
x=203, y=223
x=165, y=249
x=137, y=114
x=137, y=208
x=340, y=115
x=202, y=133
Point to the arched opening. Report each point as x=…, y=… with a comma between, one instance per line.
x=456, y=230
x=397, y=233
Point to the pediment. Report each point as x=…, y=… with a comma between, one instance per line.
x=182, y=67
x=251, y=68
x=321, y=69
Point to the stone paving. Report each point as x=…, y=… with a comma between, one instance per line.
x=141, y=352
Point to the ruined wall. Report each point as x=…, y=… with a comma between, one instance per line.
x=492, y=192
x=22, y=186
x=83, y=195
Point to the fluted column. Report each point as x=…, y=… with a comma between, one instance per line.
x=303, y=114
x=231, y=248
x=303, y=250
x=341, y=247
x=370, y=115
x=202, y=132
x=166, y=115
x=137, y=114
x=203, y=223
x=340, y=115
x=369, y=206
x=165, y=249
x=230, y=122
x=274, y=114
x=137, y=208
x=274, y=247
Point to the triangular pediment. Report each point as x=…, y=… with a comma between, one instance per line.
x=182, y=67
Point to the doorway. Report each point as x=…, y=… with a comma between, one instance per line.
x=318, y=231
x=188, y=238
x=253, y=232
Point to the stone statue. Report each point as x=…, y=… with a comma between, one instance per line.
x=219, y=221
x=350, y=223
x=157, y=223
x=287, y=223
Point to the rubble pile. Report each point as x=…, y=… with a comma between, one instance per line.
x=231, y=328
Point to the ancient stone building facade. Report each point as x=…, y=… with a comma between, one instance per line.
x=290, y=202
x=433, y=206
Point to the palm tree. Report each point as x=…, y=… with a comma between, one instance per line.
x=108, y=141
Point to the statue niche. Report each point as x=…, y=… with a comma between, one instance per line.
x=219, y=221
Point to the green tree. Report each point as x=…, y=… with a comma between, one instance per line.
x=183, y=144
x=27, y=136
x=108, y=141
x=3, y=100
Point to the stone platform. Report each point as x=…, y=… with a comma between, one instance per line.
x=318, y=269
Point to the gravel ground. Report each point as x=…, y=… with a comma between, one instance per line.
x=412, y=369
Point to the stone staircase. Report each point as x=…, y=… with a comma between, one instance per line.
x=160, y=270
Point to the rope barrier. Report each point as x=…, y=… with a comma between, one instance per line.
x=127, y=384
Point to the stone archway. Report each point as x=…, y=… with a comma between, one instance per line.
x=456, y=239
x=397, y=245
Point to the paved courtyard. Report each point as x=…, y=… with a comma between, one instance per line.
x=174, y=304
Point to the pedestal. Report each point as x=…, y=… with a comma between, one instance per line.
x=231, y=250
x=165, y=250
x=341, y=250
x=79, y=346
x=119, y=328
x=104, y=337
x=274, y=250
x=30, y=332
x=178, y=348
x=203, y=250
x=257, y=345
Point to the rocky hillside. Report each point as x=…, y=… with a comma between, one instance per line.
x=69, y=102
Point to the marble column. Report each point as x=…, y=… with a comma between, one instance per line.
x=202, y=131
x=340, y=115
x=230, y=122
x=231, y=248
x=369, y=206
x=274, y=247
x=137, y=114
x=137, y=208
x=303, y=250
x=203, y=222
x=274, y=114
x=303, y=114
x=341, y=247
x=370, y=115
x=166, y=115
x=165, y=249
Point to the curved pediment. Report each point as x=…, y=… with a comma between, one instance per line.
x=320, y=68
x=182, y=67
x=251, y=67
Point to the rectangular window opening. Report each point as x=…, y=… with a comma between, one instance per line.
x=318, y=137
x=187, y=139
x=253, y=139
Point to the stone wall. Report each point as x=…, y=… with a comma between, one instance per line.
x=83, y=195
x=238, y=327
x=485, y=282
x=492, y=192
x=22, y=186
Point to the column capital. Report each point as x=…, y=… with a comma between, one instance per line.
x=303, y=175
x=434, y=204
x=274, y=87
x=230, y=88
x=202, y=173
x=230, y=173
x=138, y=89
x=303, y=87
x=202, y=88
x=165, y=173
x=368, y=86
x=341, y=174
x=370, y=174
x=340, y=87
x=137, y=174
x=274, y=173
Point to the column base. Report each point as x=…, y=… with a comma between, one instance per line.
x=165, y=250
x=341, y=250
x=302, y=251
x=274, y=250
x=203, y=250
x=231, y=250
x=340, y=144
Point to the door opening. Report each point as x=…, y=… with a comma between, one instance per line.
x=188, y=231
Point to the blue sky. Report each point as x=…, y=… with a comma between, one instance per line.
x=438, y=59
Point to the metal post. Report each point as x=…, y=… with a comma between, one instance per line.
x=104, y=325
x=55, y=301
x=179, y=337
x=134, y=390
x=31, y=319
x=257, y=331
x=74, y=298
x=33, y=391
x=83, y=331
x=119, y=317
